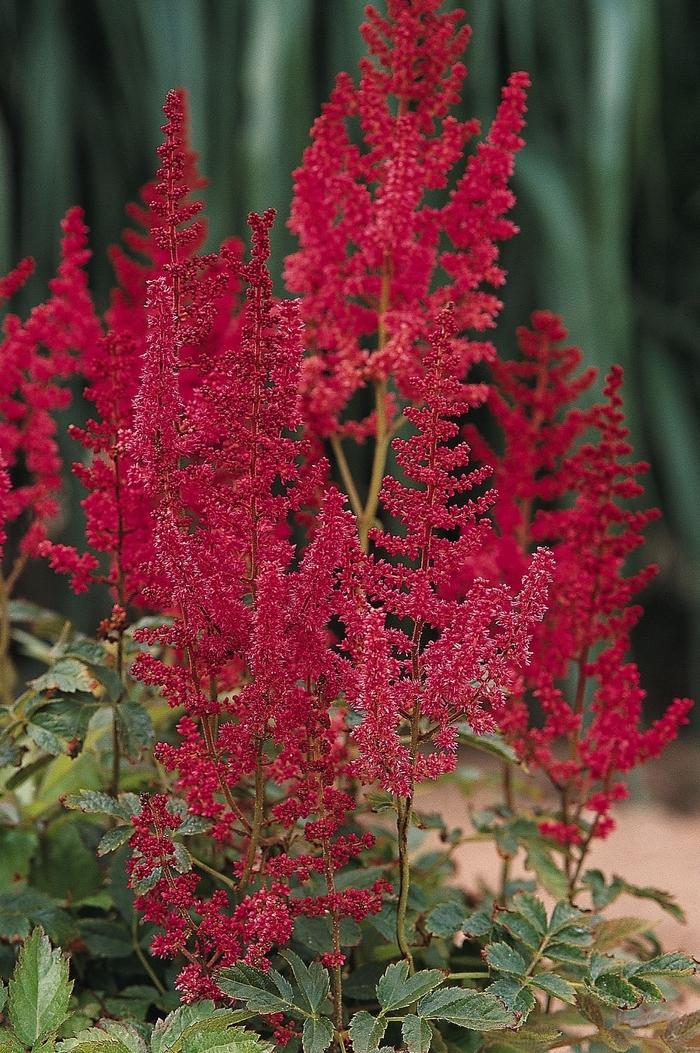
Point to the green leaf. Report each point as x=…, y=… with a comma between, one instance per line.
x=66, y=719
x=366, y=1032
x=106, y=939
x=67, y=675
x=134, y=728
x=169, y=1035
x=17, y=848
x=445, y=920
x=110, y=1036
x=506, y=960
x=202, y=1039
x=673, y=964
x=3, y=995
x=317, y=1035
x=255, y=988
x=649, y=990
x=313, y=981
x=110, y=680
x=92, y=652
x=479, y=923
x=416, y=1034
x=114, y=839
x=552, y=879
x=614, y=990
x=316, y=933
x=518, y=998
x=125, y=806
x=22, y=908
x=45, y=740
x=490, y=743
x=397, y=989
x=520, y=928
x=611, y=932
x=9, y=1043
x=39, y=990
x=472, y=1009
x=664, y=899
x=132, y=1002
x=602, y=894
x=556, y=986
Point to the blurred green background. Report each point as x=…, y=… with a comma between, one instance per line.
x=608, y=187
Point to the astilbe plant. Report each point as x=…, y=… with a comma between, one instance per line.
x=566, y=479
x=322, y=655
x=38, y=356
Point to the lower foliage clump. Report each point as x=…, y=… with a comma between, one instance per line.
x=335, y=568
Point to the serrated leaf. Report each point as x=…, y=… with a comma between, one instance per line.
x=132, y=1002
x=478, y=1011
x=551, y=878
x=649, y=990
x=673, y=964
x=313, y=980
x=445, y=920
x=520, y=928
x=22, y=908
x=45, y=740
x=255, y=988
x=602, y=894
x=168, y=1034
x=202, y=1039
x=134, y=727
x=124, y=806
x=106, y=939
x=316, y=933
x=366, y=1032
x=567, y=952
x=110, y=1036
x=556, y=986
x=114, y=839
x=505, y=959
x=663, y=899
x=65, y=718
x=479, y=923
x=518, y=998
x=67, y=675
x=616, y=1038
x=193, y=824
x=39, y=990
x=397, y=989
x=615, y=991
x=317, y=1035
x=416, y=1034
x=611, y=932
x=9, y=1043
x=110, y=680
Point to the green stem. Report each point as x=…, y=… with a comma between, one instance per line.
x=215, y=873
x=148, y=968
x=404, y=808
x=258, y=817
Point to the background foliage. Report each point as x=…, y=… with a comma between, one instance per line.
x=608, y=188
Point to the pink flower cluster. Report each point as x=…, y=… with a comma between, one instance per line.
x=38, y=355
x=566, y=480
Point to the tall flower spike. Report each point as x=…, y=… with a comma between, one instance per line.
x=255, y=667
x=117, y=506
x=565, y=479
x=444, y=659
x=37, y=355
x=370, y=247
